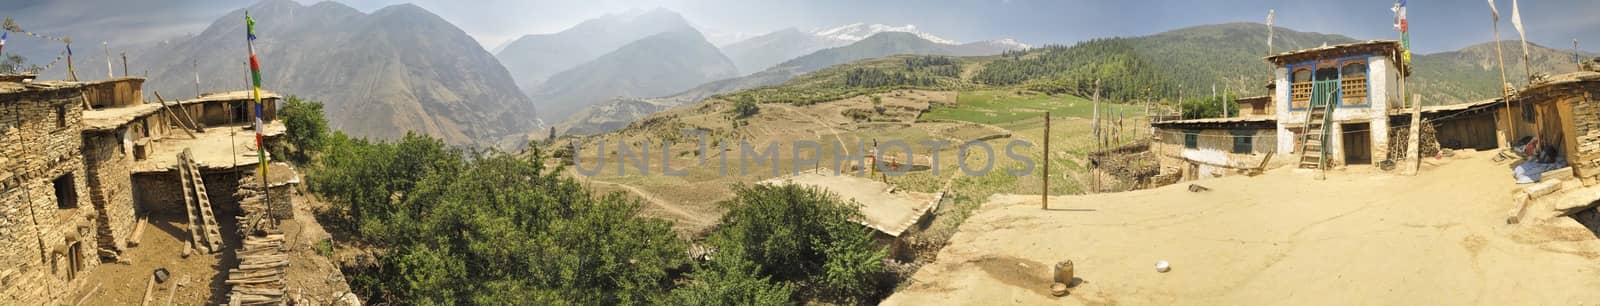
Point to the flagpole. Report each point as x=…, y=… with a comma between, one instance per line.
x=255, y=93
x=107, y=48
x=1505, y=94
x=1516, y=20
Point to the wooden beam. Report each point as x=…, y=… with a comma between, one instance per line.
x=148, y=286
x=138, y=230
x=193, y=124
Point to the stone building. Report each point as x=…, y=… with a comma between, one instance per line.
x=1358, y=86
x=82, y=162
x=1360, y=82
x=1561, y=113
x=1208, y=148
x=47, y=222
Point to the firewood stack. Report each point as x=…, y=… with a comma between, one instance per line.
x=259, y=278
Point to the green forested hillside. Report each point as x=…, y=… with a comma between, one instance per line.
x=1228, y=57
x=1196, y=58
x=1470, y=74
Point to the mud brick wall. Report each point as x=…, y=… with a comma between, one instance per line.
x=107, y=164
x=43, y=247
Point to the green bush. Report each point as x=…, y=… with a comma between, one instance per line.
x=308, y=128
x=490, y=228
x=744, y=107
x=730, y=279
x=806, y=236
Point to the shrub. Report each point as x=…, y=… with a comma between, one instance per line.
x=308, y=128
x=744, y=107
x=802, y=235
x=490, y=228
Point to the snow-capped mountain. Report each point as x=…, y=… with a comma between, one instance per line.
x=1009, y=44
x=858, y=31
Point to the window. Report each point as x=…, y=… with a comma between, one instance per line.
x=1191, y=139
x=1243, y=142
x=1354, y=70
x=66, y=193
x=1527, y=112
x=1353, y=83
x=1300, y=88
x=61, y=116
x=1325, y=74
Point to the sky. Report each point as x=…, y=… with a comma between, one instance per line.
x=1437, y=25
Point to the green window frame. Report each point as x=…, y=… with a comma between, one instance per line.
x=1243, y=142
x=1191, y=139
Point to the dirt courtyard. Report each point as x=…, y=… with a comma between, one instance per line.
x=1282, y=238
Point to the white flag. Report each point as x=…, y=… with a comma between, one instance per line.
x=1516, y=21
x=1495, y=11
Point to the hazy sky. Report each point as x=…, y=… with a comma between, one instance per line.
x=1437, y=25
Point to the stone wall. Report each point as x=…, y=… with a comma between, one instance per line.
x=280, y=203
x=159, y=194
x=45, y=247
x=107, y=163
x=1586, y=124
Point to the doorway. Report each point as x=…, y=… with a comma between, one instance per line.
x=1357, y=143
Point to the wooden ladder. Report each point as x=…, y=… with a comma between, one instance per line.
x=202, y=220
x=1318, y=127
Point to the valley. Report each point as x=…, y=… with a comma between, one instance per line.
x=723, y=152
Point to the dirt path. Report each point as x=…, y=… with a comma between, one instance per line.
x=679, y=213
x=814, y=119
x=1280, y=238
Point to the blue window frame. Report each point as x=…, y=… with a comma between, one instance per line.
x=1338, y=72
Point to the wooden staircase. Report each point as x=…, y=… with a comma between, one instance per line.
x=1318, y=127
x=203, y=230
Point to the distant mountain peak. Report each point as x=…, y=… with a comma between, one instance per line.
x=1012, y=44
x=859, y=31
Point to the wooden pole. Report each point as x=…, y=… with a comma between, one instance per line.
x=195, y=66
x=1413, y=156
x=148, y=286
x=1505, y=93
x=1044, y=198
x=110, y=74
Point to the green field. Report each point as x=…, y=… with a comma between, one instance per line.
x=1004, y=106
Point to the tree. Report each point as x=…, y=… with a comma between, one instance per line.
x=308, y=128
x=803, y=235
x=12, y=64
x=730, y=279
x=1210, y=107
x=744, y=107
x=489, y=228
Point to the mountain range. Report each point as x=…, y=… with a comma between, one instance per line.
x=397, y=69
x=658, y=56
x=617, y=113
x=762, y=52
x=536, y=57
x=1471, y=74
x=660, y=64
